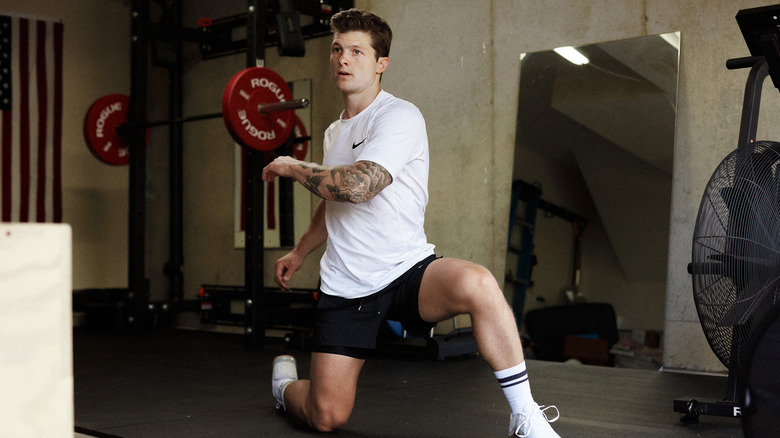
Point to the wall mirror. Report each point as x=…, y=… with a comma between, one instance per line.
x=602, y=125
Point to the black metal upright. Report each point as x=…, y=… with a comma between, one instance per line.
x=748, y=130
x=253, y=196
x=176, y=174
x=138, y=294
x=751, y=103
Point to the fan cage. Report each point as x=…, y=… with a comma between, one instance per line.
x=736, y=249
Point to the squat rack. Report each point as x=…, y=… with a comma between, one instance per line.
x=144, y=34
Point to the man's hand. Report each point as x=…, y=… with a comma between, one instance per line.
x=281, y=166
x=285, y=267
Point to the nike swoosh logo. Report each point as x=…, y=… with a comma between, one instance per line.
x=355, y=145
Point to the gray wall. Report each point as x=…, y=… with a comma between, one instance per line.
x=479, y=59
x=95, y=63
x=459, y=62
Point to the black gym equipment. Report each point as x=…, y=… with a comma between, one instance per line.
x=736, y=245
x=457, y=343
x=161, y=43
x=592, y=326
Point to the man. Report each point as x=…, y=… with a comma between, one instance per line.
x=378, y=263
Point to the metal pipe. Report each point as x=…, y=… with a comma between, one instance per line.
x=286, y=105
x=263, y=108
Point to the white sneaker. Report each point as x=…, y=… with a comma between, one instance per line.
x=284, y=373
x=532, y=422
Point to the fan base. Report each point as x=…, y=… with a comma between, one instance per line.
x=692, y=408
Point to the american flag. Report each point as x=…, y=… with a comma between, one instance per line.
x=30, y=119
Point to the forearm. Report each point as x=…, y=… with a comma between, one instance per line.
x=355, y=183
x=316, y=233
x=314, y=236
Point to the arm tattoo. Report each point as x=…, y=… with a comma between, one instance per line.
x=313, y=182
x=357, y=183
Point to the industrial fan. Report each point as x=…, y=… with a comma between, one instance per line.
x=736, y=249
x=736, y=259
x=735, y=263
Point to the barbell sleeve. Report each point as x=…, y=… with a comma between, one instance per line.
x=287, y=105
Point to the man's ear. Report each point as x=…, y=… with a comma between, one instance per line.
x=382, y=64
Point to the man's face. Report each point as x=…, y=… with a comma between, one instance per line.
x=353, y=62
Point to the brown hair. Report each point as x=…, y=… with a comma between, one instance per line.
x=357, y=20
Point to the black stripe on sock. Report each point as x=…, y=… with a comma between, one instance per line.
x=513, y=380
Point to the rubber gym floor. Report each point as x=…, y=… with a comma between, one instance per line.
x=178, y=383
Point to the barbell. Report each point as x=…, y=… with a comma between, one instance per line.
x=257, y=108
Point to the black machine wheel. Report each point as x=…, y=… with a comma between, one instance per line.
x=691, y=412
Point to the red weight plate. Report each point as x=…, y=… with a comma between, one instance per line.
x=300, y=149
x=243, y=94
x=100, y=125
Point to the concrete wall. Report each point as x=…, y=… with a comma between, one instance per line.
x=96, y=63
x=472, y=56
x=459, y=62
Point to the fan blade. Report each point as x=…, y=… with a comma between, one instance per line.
x=743, y=309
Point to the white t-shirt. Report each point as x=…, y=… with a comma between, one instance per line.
x=372, y=243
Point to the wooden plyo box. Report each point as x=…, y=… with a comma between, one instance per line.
x=36, y=331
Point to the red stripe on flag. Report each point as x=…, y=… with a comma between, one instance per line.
x=41, y=80
x=31, y=120
x=24, y=121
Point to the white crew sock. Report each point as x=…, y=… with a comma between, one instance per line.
x=514, y=383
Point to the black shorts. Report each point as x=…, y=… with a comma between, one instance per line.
x=350, y=326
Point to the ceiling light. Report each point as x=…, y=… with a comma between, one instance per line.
x=572, y=55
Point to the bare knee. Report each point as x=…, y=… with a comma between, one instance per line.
x=479, y=288
x=331, y=395
x=452, y=287
x=327, y=421
x=327, y=417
